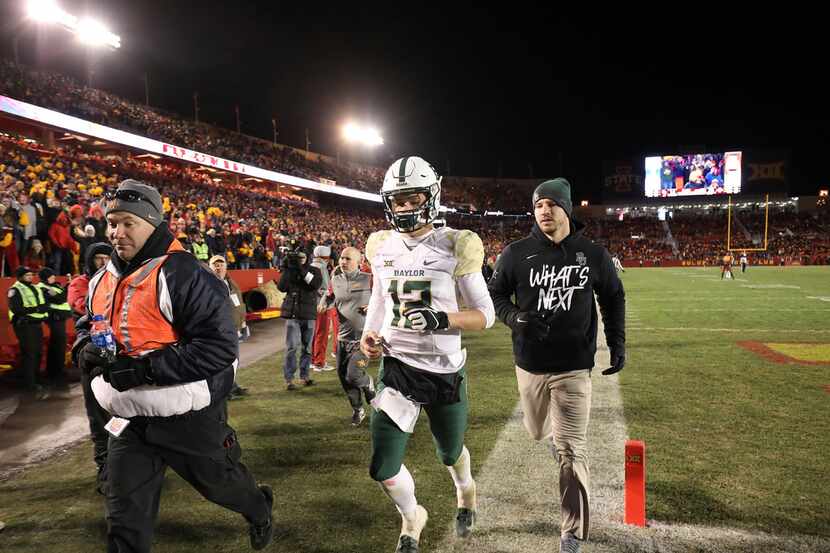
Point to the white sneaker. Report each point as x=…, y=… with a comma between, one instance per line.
x=317, y=368
x=326, y=368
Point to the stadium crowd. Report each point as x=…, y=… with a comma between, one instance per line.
x=64, y=94
x=50, y=198
x=249, y=220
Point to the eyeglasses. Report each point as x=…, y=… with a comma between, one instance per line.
x=128, y=196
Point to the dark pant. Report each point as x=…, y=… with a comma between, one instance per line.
x=56, y=353
x=98, y=418
x=30, y=336
x=200, y=447
x=351, y=365
x=23, y=244
x=56, y=260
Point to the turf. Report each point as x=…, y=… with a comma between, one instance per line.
x=733, y=438
x=302, y=443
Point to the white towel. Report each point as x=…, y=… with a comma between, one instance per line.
x=403, y=411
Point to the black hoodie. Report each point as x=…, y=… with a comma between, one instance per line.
x=559, y=282
x=93, y=250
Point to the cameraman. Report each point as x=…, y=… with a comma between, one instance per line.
x=300, y=282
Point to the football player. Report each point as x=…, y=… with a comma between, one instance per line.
x=414, y=325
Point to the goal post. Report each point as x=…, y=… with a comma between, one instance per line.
x=729, y=228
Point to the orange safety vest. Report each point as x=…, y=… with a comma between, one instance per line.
x=133, y=305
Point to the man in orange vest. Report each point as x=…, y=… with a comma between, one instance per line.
x=167, y=386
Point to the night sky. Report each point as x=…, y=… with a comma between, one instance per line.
x=473, y=100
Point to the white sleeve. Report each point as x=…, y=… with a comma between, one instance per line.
x=476, y=296
x=374, y=313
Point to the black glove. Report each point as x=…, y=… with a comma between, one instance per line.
x=532, y=324
x=617, y=362
x=92, y=359
x=427, y=318
x=122, y=371
x=128, y=372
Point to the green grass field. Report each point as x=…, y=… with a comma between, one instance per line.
x=733, y=438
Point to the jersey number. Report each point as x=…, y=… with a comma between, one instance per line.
x=407, y=294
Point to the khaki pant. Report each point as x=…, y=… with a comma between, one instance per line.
x=557, y=406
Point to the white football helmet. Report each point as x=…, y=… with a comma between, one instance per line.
x=411, y=175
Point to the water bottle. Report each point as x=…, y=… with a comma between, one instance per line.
x=103, y=337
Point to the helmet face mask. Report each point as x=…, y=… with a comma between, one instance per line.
x=407, y=177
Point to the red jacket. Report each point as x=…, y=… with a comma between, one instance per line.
x=59, y=233
x=271, y=243
x=78, y=289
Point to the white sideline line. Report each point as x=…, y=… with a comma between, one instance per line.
x=675, y=294
x=695, y=329
x=674, y=297
x=740, y=309
x=517, y=484
x=771, y=286
x=518, y=495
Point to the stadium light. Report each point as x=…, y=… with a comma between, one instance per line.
x=92, y=32
x=368, y=136
x=584, y=203
x=48, y=11
x=351, y=132
x=823, y=193
x=89, y=31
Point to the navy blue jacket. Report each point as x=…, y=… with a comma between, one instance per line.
x=208, y=347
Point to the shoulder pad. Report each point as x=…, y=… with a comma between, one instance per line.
x=469, y=251
x=376, y=239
